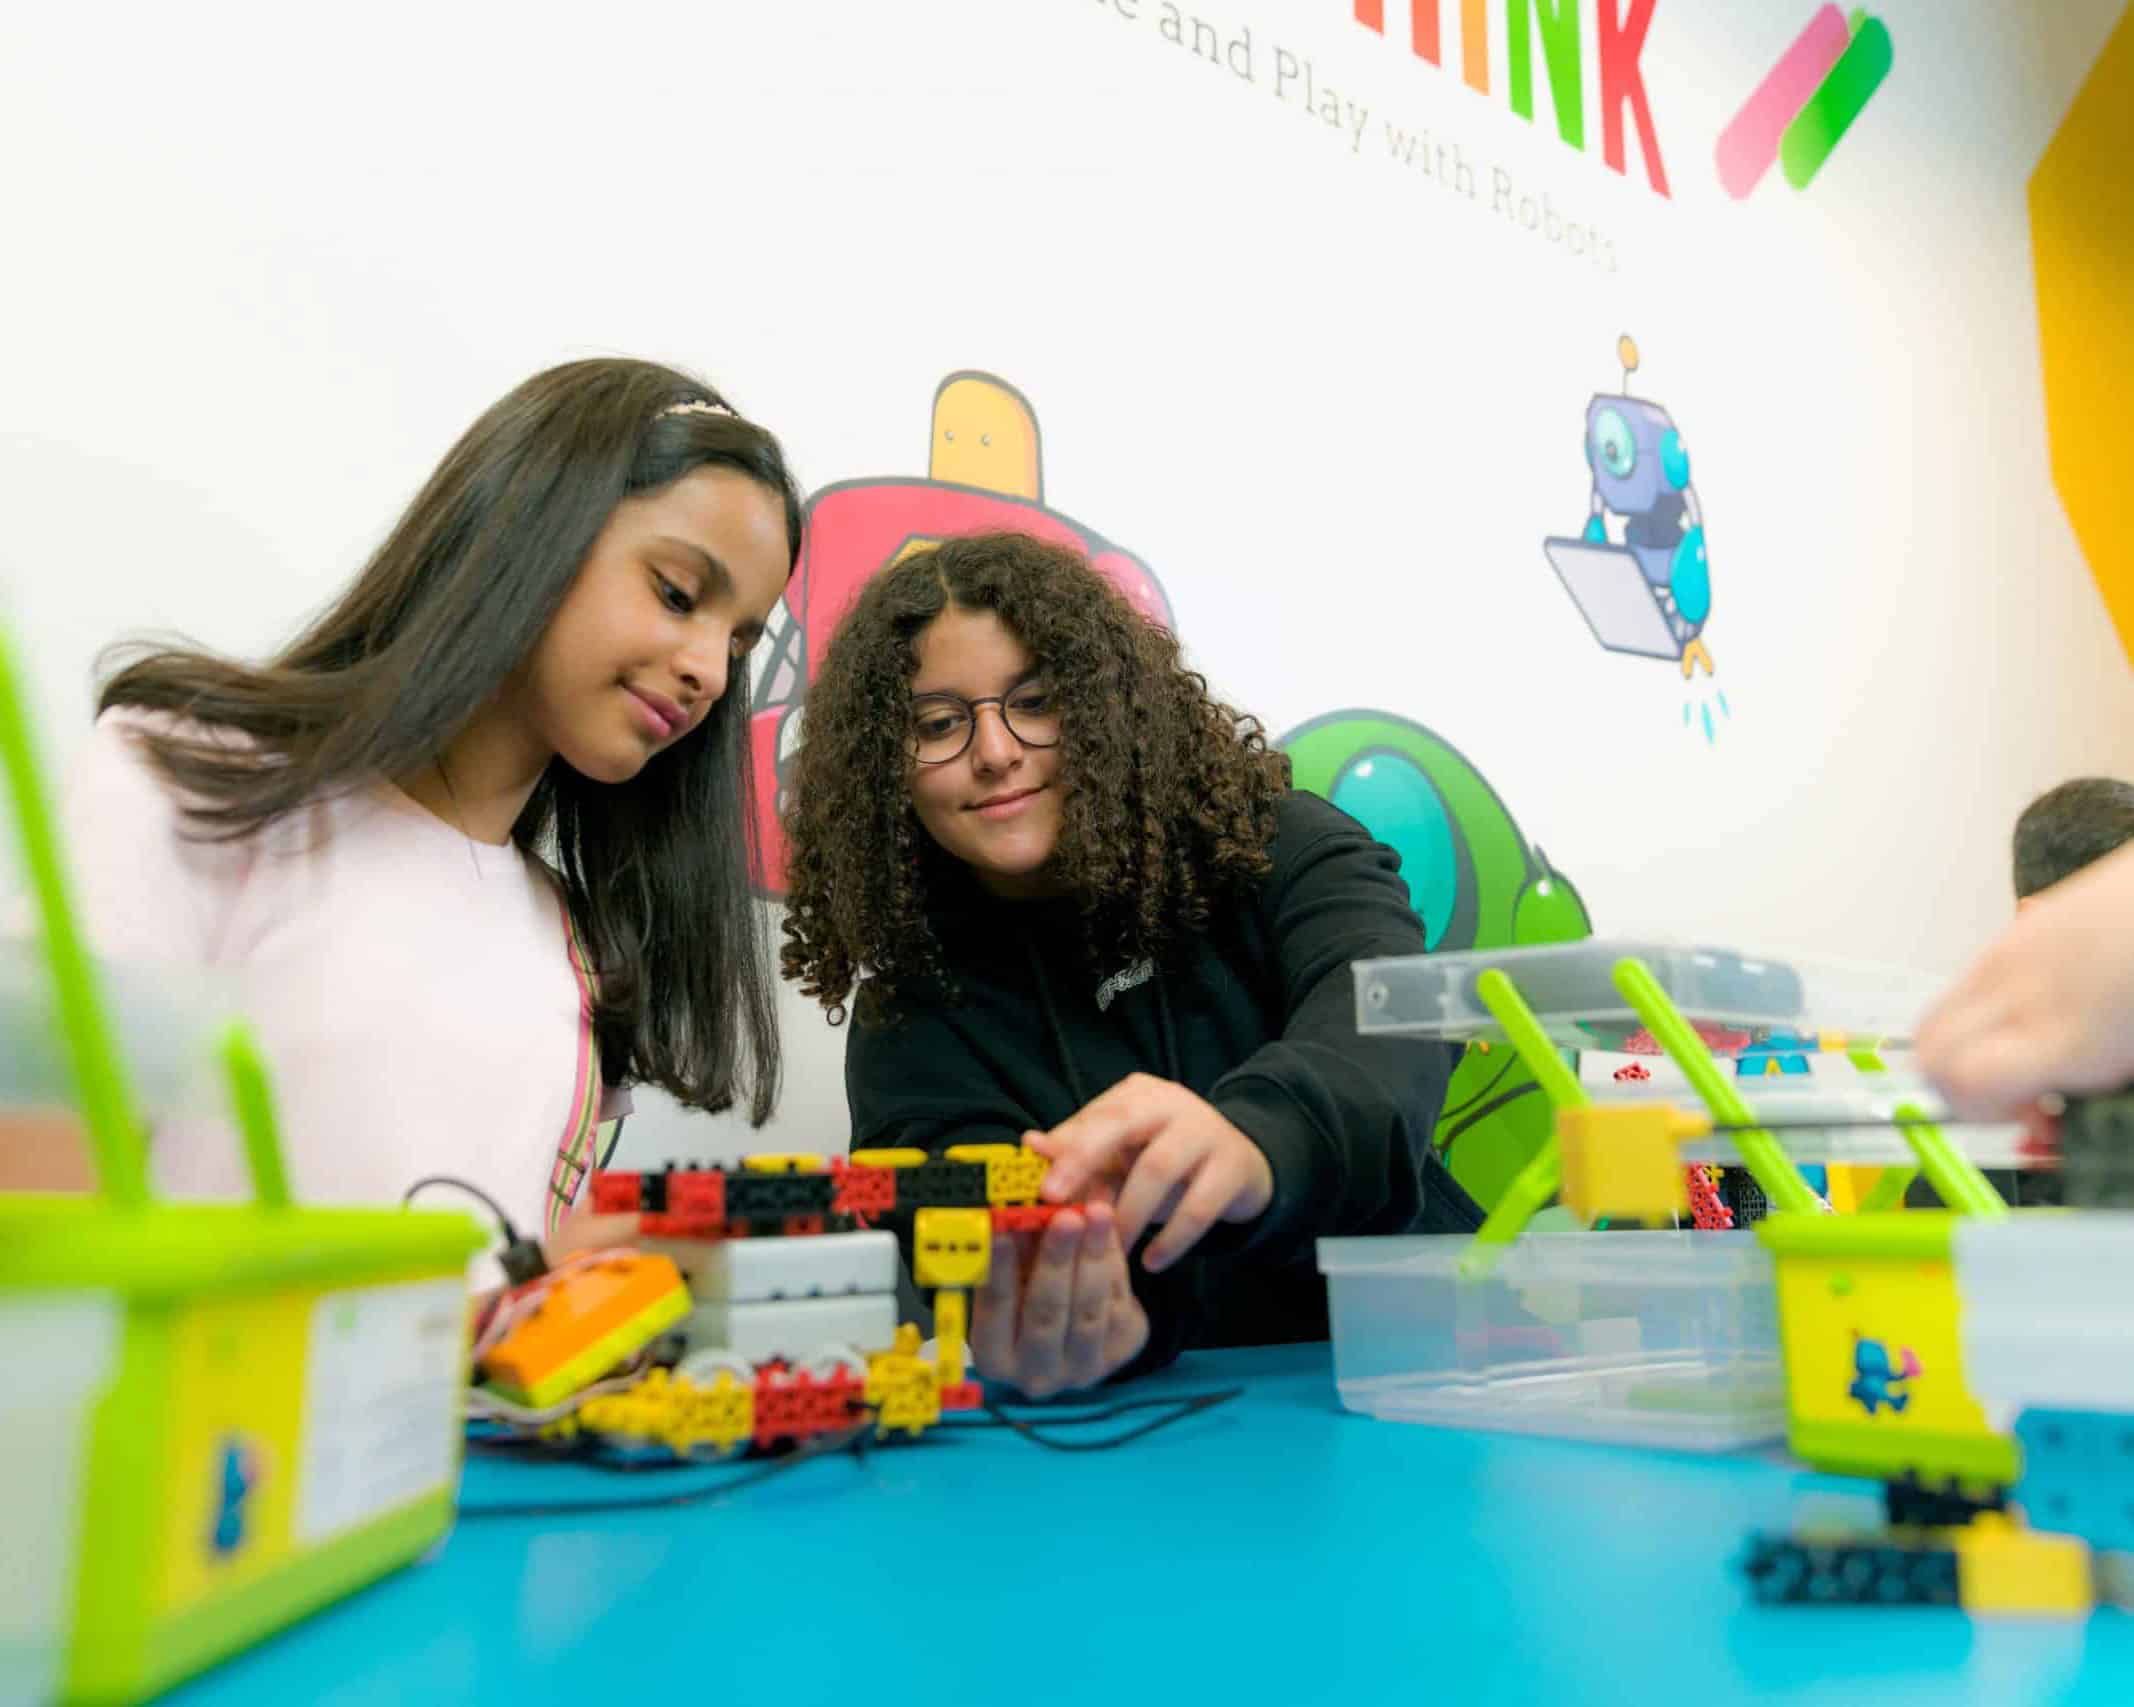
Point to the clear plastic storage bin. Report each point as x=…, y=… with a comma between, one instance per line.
x=1571, y=990
x=1642, y=1338
x=1853, y=1122
x=61, y=1353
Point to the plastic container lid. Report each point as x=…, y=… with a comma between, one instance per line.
x=1737, y=1000
x=1860, y=1114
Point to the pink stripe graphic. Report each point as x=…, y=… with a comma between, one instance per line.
x=572, y=1163
x=1749, y=144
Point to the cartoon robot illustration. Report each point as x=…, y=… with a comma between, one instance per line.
x=1639, y=573
x=985, y=470
x=1877, y=1378
x=1475, y=882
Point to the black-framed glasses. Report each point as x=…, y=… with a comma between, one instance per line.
x=941, y=723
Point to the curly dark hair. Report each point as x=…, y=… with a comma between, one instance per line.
x=1168, y=796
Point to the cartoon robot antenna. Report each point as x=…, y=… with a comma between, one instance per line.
x=1638, y=573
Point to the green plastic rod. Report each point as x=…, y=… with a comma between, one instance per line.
x=1953, y=1175
x=1888, y=1190
x=1538, y=1181
x=1890, y=1187
x=116, y=1141
x=1772, y=1167
x=252, y=1100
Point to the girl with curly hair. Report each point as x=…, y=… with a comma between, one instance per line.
x=1070, y=898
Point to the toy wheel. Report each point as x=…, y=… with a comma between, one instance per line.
x=829, y=1359
x=704, y=1368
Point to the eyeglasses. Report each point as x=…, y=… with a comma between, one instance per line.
x=941, y=723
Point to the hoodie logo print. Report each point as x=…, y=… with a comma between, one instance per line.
x=1120, y=982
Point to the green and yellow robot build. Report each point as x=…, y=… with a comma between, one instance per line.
x=1476, y=882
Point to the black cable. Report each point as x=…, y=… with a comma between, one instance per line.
x=852, y=1440
x=511, y=1233
x=1176, y=1409
x=521, y=1259
x=615, y=1143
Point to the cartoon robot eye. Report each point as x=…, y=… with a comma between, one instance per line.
x=1615, y=452
x=1392, y=794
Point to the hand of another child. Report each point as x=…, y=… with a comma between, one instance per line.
x=1056, y=1311
x=582, y=1230
x=2049, y=1007
x=1161, y=1154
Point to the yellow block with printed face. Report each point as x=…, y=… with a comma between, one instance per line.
x=951, y=1247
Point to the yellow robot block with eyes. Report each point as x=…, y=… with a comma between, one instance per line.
x=951, y=1247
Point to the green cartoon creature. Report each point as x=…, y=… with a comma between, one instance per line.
x=1475, y=882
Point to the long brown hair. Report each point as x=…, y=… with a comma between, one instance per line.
x=654, y=870
x=1168, y=796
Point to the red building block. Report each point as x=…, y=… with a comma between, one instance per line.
x=700, y=1192
x=862, y=1190
x=1026, y=1217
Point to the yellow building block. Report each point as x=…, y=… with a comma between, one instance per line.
x=721, y=1416
x=902, y=1388
x=2001, y=1568
x=950, y=1247
x=950, y=1343
x=1013, y=1173
x=675, y=1412
x=1625, y=1160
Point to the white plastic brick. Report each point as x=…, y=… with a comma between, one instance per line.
x=759, y=1270
x=798, y=1330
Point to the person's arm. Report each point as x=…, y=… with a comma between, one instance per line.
x=2049, y=1008
x=1319, y=1131
x=1060, y=1309
x=1344, y=1120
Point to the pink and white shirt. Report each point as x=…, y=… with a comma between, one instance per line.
x=420, y=998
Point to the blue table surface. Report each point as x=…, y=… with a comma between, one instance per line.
x=1275, y=1549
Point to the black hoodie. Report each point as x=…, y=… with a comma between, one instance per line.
x=1257, y=1015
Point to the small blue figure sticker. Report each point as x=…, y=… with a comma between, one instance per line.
x=238, y=1474
x=1878, y=1379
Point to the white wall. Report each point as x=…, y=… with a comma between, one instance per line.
x=263, y=270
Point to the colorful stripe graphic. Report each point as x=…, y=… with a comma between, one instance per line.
x=574, y=1152
x=1806, y=102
